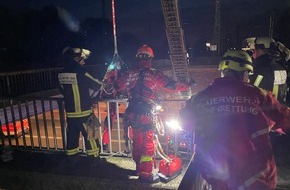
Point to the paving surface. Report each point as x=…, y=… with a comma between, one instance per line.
x=39, y=171
x=29, y=171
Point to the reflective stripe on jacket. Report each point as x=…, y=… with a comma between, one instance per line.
x=271, y=76
x=76, y=83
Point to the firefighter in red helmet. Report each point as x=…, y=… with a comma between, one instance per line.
x=142, y=83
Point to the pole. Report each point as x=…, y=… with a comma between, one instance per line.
x=114, y=27
x=115, y=66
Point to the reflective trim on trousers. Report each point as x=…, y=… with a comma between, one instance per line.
x=72, y=151
x=145, y=159
x=95, y=149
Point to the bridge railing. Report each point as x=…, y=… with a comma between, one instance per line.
x=13, y=84
x=20, y=83
x=31, y=123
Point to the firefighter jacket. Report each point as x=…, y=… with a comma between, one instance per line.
x=142, y=86
x=76, y=83
x=232, y=120
x=270, y=75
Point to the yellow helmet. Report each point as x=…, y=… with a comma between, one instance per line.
x=236, y=60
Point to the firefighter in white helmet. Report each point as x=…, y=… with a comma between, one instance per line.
x=76, y=83
x=142, y=83
x=232, y=120
x=268, y=73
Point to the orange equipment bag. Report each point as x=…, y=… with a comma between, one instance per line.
x=170, y=168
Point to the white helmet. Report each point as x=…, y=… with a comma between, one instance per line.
x=249, y=44
x=263, y=42
x=257, y=43
x=76, y=52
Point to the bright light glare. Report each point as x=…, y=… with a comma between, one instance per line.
x=173, y=124
x=111, y=67
x=158, y=107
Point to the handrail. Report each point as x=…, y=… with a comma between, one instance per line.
x=39, y=124
x=13, y=84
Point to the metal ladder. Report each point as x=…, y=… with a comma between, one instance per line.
x=175, y=37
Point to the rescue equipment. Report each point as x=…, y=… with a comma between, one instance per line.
x=169, y=169
x=169, y=166
x=92, y=125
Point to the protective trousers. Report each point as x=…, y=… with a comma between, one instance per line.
x=143, y=151
x=75, y=126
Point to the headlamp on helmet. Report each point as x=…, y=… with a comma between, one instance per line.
x=236, y=60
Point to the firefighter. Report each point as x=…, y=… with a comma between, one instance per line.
x=268, y=73
x=142, y=83
x=76, y=83
x=232, y=120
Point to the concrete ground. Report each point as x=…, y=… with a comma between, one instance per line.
x=32, y=170
x=39, y=171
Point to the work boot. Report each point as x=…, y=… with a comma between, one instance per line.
x=153, y=178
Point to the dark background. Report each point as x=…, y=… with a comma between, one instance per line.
x=34, y=32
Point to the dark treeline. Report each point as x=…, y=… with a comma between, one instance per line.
x=35, y=39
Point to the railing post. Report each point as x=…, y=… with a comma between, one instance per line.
x=62, y=122
x=8, y=85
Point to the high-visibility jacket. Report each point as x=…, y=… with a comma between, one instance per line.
x=270, y=75
x=232, y=120
x=76, y=83
x=143, y=84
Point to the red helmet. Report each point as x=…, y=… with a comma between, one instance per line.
x=145, y=50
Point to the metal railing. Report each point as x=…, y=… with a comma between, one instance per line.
x=33, y=123
x=13, y=84
x=23, y=83
x=40, y=124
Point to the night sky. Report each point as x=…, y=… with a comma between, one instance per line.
x=144, y=19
